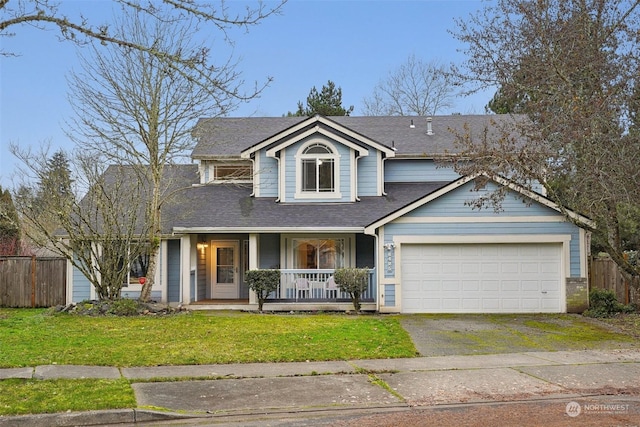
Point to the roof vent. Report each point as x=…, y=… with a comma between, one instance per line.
x=412, y=125
x=429, y=129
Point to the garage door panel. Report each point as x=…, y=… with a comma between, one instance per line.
x=523, y=277
x=470, y=285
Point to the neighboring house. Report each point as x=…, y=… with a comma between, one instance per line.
x=309, y=195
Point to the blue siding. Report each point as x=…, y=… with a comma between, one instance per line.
x=155, y=295
x=452, y=205
x=267, y=176
x=467, y=229
x=289, y=161
x=390, y=295
x=456, y=203
x=414, y=170
x=368, y=175
x=173, y=270
x=81, y=289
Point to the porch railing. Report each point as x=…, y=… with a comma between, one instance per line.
x=315, y=286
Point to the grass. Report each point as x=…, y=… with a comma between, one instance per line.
x=19, y=396
x=34, y=337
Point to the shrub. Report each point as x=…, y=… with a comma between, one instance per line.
x=262, y=282
x=123, y=307
x=354, y=281
x=603, y=303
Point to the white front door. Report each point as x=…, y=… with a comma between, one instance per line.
x=224, y=266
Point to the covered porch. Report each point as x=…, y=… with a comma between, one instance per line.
x=218, y=262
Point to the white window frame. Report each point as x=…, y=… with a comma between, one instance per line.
x=334, y=156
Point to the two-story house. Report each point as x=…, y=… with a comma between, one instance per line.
x=309, y=195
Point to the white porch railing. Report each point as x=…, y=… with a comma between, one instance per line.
x=316, y=285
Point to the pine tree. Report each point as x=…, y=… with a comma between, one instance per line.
x=327, y=102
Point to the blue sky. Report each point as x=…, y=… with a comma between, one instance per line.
x=353, y=43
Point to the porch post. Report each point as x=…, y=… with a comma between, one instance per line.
x=185, y=268
x=253, y=262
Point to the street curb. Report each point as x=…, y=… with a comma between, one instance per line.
x=90, y=418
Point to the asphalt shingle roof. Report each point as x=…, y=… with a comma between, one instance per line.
x=229, y=206
x=228, y=136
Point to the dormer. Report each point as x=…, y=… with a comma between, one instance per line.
x=318, y=160
x=225, y=171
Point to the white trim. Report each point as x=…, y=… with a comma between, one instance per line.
x=254, y=262
x=584, y=261
x=185, y=268
x=315, y=130
x=380, y=174
x=334, y=156
x=282, y=182
x=257, y=181
x=195, y=230
x=483, y=238
x=353, y=174
x=481, y=219
x=317, y=119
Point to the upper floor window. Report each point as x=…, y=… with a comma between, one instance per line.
x=225, y=171
x=318, y=171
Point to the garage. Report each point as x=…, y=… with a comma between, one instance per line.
x=482, y=278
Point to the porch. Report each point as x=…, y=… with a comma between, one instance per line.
x=316, y=285
x=300, y=290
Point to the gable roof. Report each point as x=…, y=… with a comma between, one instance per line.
x=579, y=219
x=229, y=136
x=324, y=126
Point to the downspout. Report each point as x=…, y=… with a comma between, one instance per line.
x=253, y=168
x=357, y=199
x=278, y=162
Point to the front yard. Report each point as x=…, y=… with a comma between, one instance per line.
x=34, y=337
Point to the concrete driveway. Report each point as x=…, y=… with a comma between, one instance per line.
x=470, y=334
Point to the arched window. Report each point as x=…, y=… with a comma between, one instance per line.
x=318, y=169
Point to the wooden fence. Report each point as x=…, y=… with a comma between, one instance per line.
x=605, y=274
x=33, y=282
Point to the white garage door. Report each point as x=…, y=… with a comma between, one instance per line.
x=482, y=278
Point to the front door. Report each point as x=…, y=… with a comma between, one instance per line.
x=224, y=264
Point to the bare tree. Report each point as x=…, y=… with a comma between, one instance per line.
x=78, y=28
x=136, y=110
x=571, y=68
x=99, y=232
x=414, y=88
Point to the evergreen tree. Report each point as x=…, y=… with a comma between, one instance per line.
x=327, y=102
x=9, y=225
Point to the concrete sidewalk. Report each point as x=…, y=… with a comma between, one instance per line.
x=270, y=388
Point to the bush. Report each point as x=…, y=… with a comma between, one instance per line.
x=123, y=307
x=603, y=303
x=353, y=281
x=262, y=282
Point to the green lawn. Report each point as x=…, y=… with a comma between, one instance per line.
x=35, y=337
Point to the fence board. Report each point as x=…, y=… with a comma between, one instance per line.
x=21, y=286
x=605, y=274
